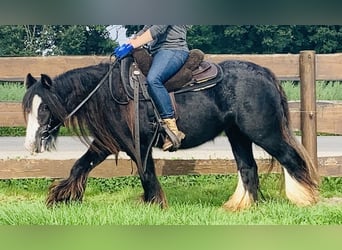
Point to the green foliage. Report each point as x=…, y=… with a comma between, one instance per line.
x=12, y=131
x=11, y=41
x=331, y=186
x=262, y=39
x=30, y=40
x=330, y=90
x=85, y=40
x=21, y=131
x=133, y=29
x=207, y=38
x=292, y=90
x=72, y=41
x=10, y=91
x=326, y=39
x=34, y=40
x=325, y=90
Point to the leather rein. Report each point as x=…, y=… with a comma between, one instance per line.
x=138, y=85
x=47, y=132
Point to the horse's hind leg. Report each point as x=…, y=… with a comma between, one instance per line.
x=301, y=179
x=248, y=182
x=72, y=188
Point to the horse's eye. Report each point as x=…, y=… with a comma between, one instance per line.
x=44, y=107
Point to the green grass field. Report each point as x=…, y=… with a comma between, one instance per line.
x=324, y=91
x=11, y=92
x=193, y=200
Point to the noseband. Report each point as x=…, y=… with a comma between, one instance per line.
x=47, y=131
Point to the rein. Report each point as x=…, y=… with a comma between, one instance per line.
x=48, y=131
x=138, y=84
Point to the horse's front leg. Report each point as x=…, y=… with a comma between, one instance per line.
x=72, y=188
x=153, y=192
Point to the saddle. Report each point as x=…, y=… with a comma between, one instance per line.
x=194, y=71
x=195, y=75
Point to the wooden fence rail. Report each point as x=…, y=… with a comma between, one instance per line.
x=285, y=66
x=329, y=116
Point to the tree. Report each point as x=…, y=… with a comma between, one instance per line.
x=30, y=40
x=98, y=40
x=85, y=40
x=326, y=39
x=206, y=38
x=33, y=40
x=132, y=29
x=11, y=38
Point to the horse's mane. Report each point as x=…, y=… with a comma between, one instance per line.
x=52, y=100
x=98, y=116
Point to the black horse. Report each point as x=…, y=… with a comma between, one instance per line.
x=248, y=104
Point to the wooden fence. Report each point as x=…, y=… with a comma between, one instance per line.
x=285, y=66
x=329, y=116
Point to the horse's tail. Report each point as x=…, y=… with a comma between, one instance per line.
x=310, y=180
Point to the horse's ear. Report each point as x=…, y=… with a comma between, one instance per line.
x=30, y=80
x=46, y=81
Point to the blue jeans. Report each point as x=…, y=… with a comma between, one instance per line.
x=165, y=64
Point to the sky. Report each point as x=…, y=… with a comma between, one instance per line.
x=118, y=33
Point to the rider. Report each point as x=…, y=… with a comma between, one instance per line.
x=169, y=50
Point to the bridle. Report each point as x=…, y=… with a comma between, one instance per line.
x=50, y=129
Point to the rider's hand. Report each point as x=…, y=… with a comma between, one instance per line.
x=123, y=50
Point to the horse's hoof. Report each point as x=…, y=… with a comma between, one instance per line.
x=161, y=202
x=234, y=204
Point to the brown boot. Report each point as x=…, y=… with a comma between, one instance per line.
x=171, y=124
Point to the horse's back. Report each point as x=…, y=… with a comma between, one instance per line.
x=247, y=71
x=247, y=83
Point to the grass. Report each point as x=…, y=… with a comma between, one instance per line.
x=325, y=90
x=12, y=91
x=193, y=200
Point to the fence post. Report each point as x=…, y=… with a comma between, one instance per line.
x=307, y=71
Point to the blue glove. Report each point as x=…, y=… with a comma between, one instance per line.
x=123, y=50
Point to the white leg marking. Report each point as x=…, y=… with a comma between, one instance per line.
x=241, y=199
x=32, y=124
x=297, y=193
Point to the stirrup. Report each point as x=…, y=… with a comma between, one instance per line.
x=172, y=143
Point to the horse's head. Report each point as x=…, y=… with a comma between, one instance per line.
x=42, y=125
